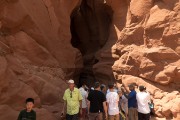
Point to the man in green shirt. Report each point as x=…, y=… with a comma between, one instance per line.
x=28, y=113
x=72, y=102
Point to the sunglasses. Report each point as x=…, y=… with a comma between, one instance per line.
x=71, y=94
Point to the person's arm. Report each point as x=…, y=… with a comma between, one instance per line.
x=64, y=108
x=34, y=115
x=88, y=104
x=64, y=105
x=149, y=98
x=124, y=93
x=20, y=116
x=80, y=101
x=117, y=98
x=105, y=109
x=107, y=106
x=87, y=101
x=107, y=102
x=126, y=88
x=86, y=98
x=80, y=107
x=130, y=94
x=127, y=96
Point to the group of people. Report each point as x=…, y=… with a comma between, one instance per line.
x=101, y=103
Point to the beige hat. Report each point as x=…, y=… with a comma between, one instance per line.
x=71, y=81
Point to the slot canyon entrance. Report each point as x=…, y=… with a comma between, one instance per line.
x=90, y=26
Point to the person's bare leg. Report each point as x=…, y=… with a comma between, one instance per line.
x=117, y=117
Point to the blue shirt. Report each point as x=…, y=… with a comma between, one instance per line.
x=132, y=102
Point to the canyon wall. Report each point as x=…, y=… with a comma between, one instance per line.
x=145, y=39
x=36, y=55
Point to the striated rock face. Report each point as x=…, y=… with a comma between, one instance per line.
x=36, y=55
x=144, y=44
x=147, y=51
x=45, y=42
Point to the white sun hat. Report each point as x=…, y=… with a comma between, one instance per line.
x=71, y=81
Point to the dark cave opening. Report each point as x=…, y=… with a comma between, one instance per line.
x=90, y=27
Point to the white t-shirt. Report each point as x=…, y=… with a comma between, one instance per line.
x=84, y=95
x=143, y=98
x=112, y=99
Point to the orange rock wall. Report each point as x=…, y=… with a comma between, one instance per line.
x=144, y=43
x=36, y=55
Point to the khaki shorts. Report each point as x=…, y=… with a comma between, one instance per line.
x=96, y=116
x=132, y=114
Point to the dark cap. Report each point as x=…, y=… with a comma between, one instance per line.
x=131, y=85
x=142, y=88
x=96, y=85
